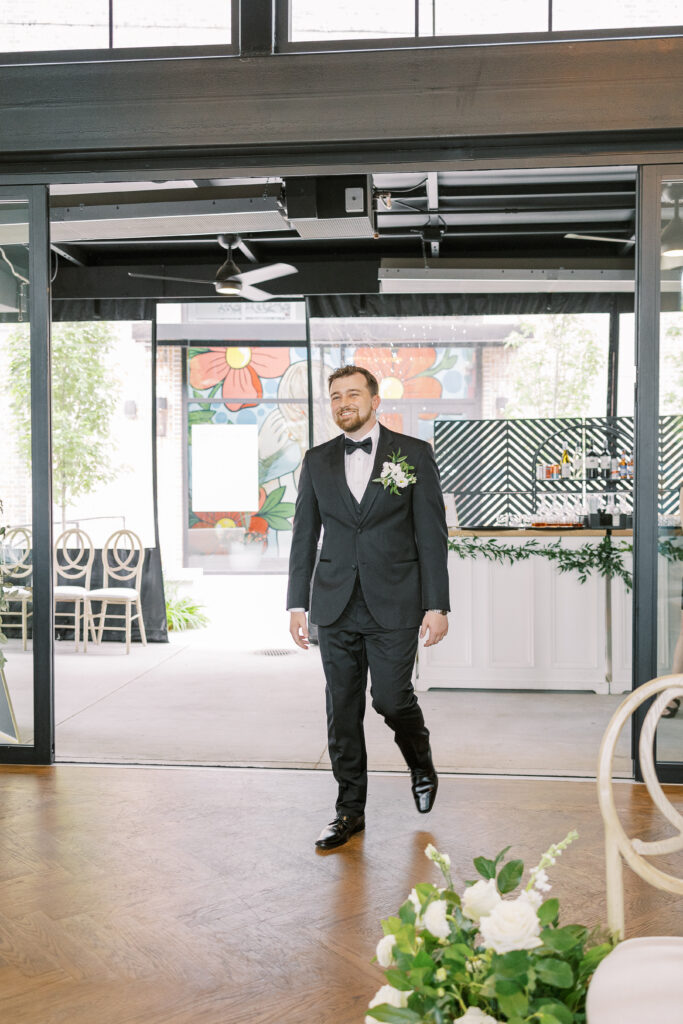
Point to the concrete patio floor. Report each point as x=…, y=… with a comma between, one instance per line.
x=240, y=693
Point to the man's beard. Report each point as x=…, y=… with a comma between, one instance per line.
x=354, y=422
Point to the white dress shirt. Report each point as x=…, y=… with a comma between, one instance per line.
x=358, y=465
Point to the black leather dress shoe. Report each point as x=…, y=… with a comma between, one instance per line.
x=425, y=785
x=340, y=831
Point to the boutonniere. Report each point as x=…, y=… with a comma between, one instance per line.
x=396, y=474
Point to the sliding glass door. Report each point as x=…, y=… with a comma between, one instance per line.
x=26, y=717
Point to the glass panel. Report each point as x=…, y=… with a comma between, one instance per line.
x=352, y=19
x=670, y=560
x=444, y=18
x=265, y=389
x=54, y=25
x=579, y=14
x=490, y=392
x=16, y=606
x=171, y=23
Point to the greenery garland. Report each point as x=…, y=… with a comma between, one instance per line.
x=604, y=558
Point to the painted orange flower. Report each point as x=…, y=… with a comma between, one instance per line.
x=403, y=372
x=240, y=370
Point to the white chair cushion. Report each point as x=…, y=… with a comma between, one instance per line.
x=17, y=593
x=123, y=594
x=65, y=592
x=640, y=982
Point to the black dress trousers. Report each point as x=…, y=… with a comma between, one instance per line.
x=349, y=647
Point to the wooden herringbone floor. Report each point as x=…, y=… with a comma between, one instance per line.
x=194, y=896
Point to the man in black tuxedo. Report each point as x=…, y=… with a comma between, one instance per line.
x=382, y=576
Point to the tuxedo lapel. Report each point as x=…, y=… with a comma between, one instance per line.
x=381, y=455
x=338, y=471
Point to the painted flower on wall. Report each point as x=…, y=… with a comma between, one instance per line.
x=403, y=373
x=273, y=513
x=238, y=370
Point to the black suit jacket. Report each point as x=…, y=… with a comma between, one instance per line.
x=396, y=543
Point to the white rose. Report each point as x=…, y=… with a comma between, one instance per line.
x=512, y=924
x=385, y=951
x=480, y=899
x=389, y=995
x=476, y=1016
x=401, y=480
x=386, y=470
x=434, y=919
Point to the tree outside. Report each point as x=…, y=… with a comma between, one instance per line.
x=555, y=363
x=85, y=391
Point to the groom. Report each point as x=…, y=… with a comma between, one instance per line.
x=382, y=577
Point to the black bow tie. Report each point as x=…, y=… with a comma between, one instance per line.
x=353, y=446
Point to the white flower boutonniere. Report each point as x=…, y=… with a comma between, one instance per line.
x=396, y=474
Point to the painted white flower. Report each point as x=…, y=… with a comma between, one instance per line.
x=385, y=951
x=389, y=995
x=479, y=899
x=434, y=919
x=476, y=1016
x=512, y=924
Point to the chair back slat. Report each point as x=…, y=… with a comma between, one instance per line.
x=74, y=556
x=618, y=846
x=15, y=554
x=122, y=559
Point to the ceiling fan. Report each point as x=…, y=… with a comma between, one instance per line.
x=229, y=279
x=602, y=238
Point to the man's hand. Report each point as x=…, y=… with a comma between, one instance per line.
x=436, y=624
x=299, y=629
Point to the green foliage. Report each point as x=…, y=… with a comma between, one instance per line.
x=440, y=978
x=84, y=396
x=557, y=360
x=183, y=612
x=605, y=558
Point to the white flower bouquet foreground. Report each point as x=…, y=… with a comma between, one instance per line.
x=487, y=956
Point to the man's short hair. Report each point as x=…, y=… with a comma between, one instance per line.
x=348, y=371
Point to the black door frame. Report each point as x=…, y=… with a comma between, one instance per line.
x=650, y=177
x=42, y=751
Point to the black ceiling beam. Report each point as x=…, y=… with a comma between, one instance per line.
x=318, y=277
x=225, y=114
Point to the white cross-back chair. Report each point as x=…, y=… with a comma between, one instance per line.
x=122, y=559
x=73, y=559
x=17, y=569
x=642, y=979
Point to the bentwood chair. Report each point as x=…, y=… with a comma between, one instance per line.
x=642, y=978
x=122, y=559
x=73, y=559
x=16, y=569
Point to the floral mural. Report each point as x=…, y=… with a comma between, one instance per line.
x=236, y=371
x=266, y=387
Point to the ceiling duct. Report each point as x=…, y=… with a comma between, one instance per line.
x=338, y=206
x=166, y=214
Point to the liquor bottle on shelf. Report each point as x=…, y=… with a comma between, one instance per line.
x=592, y=467
x=623, y=466
x=614, y=468
x=577, y=465
x=629, y=467
x=566, y=465
x=605, y=463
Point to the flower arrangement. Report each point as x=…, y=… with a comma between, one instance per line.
x=487, y=956
x=396, y=474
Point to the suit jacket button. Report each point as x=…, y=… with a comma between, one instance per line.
x=359, y=530
x=353, y=566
